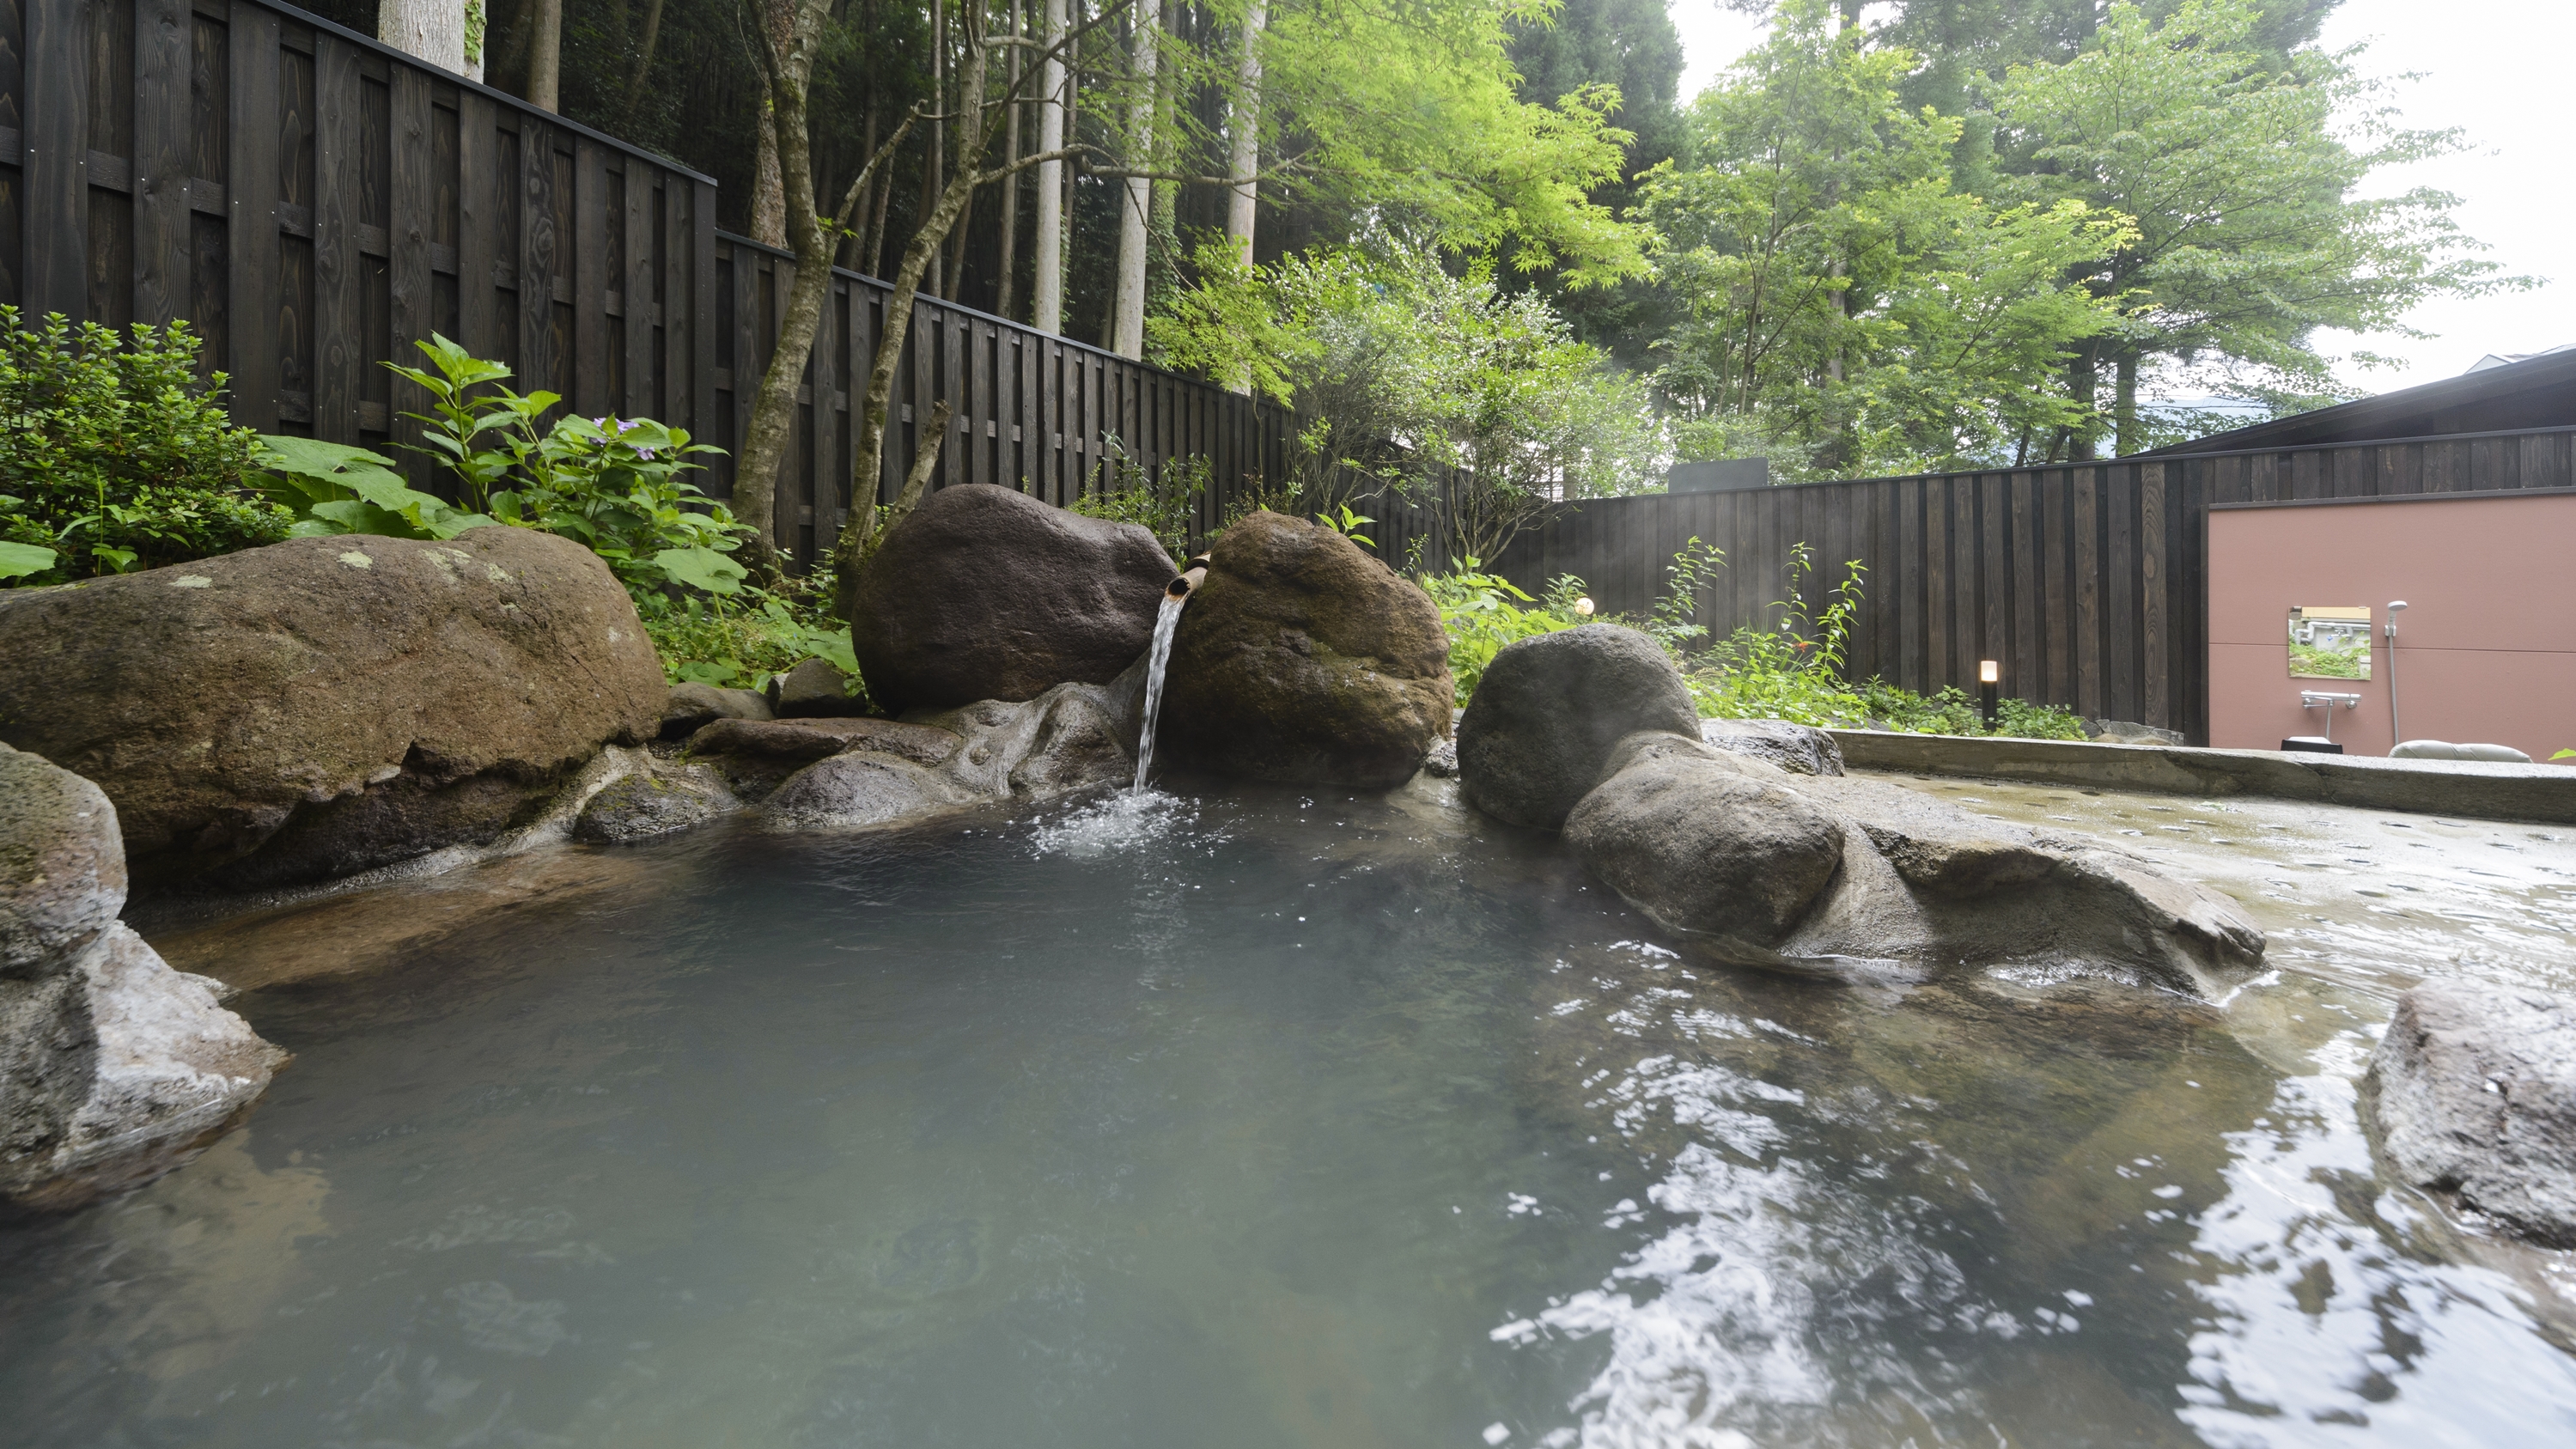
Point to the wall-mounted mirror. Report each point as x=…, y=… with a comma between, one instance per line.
x=2330, y=642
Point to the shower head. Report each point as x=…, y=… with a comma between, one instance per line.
x=2396, y=604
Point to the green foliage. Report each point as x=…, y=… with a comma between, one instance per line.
x=1161, y=502
x=2239, y=169
x=615, y=485
x=338, y=488
x=1843, y=308
x=738, y=641
x=1477, y=612
x=1347, y=524
x=1413, y=381
x=114, y=457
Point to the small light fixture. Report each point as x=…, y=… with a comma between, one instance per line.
x=1989, y=674
x=1583, y=607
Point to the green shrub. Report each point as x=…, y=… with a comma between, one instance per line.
x=703, y=639
x=613, y=484
x=114, y=457
x=1124, y=490
x=1477, y=612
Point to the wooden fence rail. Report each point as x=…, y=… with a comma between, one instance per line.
x=2083, y=582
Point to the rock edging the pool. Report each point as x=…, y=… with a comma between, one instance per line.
x=2471, y=1094
x=1750, y=844
x=113, y=1067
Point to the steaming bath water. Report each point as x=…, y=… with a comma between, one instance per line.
x=1263, y=1118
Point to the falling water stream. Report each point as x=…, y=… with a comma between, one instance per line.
x=1165, y=624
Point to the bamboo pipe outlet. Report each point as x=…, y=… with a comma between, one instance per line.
x=1192, y=574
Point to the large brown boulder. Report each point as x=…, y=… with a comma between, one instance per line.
x=113, y=1067
x=327, y=705
x=985, y=593
x=1302, y=658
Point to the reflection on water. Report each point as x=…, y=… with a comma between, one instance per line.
x=1262, y=1117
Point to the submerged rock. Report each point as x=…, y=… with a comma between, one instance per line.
x=326, y=705
x=113, y=1067
x=1549, y=711
x=2473, y=1091
x=692, y=707
x=983, y=592
x=1302, y=658
x=814, y=689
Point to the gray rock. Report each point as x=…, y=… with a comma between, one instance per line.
x=323, y=706
x=815, y=689
x=118, y=1070
x=862, y=788
x=1442, y=762
x=1726, y=848
x=1796, y=748
x=814, y=739
x=1302, y=658
x=2473, y=1091
x=113, y=1067
x=692, y=707
x=1705, y=846
x=1550, y=710
x=983, y=592
x=62, y=867
x=659, y=802
x=1071, y=737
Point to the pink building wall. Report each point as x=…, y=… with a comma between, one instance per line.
x=2486, y=649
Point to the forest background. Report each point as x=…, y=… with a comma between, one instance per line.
x=1489, y=234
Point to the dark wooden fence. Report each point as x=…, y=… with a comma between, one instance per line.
x=313, y=203
x=2083, y=582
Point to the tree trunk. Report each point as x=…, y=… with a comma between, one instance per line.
x=768, y=184
x=644, y=57
x=545, y=56
x=2082, y=373
x=1046, y=300
x=1244, y=135
x=1243, y=154
x=2128, y=437
x=1010, y=183
x=432, y=30
x=1136, y=212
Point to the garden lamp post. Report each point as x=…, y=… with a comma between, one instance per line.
x=1989, y=674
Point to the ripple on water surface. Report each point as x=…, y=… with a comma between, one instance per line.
x=1261, y=1117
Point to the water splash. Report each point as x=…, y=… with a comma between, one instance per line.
x=1110, y=826
x=1165, y=624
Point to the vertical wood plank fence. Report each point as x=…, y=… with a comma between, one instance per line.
x=2084, y=582
x=313, y=203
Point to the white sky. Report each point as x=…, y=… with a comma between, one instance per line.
x=2496, y=70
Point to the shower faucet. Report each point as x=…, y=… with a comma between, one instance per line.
x=2311, y=698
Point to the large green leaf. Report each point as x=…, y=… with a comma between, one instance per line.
x=701, y=568
x=18, y=560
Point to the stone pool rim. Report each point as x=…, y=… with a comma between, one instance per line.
x=2535, y=793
